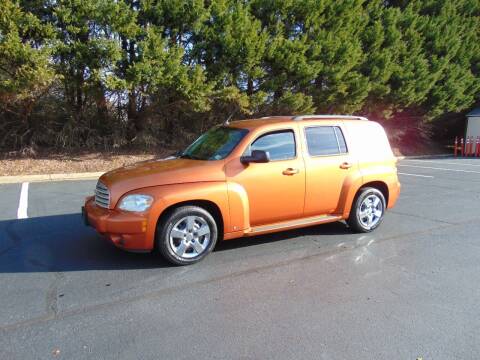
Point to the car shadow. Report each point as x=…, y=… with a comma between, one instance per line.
x=62, y=243
x=336, y=228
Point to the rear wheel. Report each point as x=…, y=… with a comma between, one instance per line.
x=186, y=235
x=367, y=210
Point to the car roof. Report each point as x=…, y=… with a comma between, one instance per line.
x=270, y=120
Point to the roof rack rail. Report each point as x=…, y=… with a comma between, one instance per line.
x=273, y=116
x=345, y=117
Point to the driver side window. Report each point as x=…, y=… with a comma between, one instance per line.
x=280, y=145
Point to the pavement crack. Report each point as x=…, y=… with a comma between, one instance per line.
x=421, y=217
x=52, y=295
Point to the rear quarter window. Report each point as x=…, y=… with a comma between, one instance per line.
x=369, y=140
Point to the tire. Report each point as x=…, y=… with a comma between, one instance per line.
x=367, y=211
x=186, y=235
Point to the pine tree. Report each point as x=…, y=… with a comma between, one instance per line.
x=88, y=50
x=25, y=71
x=230, y=44
x=113, y=72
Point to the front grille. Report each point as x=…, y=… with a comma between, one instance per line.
x=102, y=195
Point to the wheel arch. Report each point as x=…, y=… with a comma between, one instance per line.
x=379, y=185
x=207, y=205
x=353, y=193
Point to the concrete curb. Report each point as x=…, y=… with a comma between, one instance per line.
x=50, y=177
x=439, y=156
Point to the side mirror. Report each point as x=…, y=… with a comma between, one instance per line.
x=257, y=156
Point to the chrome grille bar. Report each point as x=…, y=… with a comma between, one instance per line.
x=102, y=195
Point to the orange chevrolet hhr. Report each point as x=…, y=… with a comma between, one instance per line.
x=246, y=178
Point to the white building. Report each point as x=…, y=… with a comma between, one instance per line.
x=473, y=123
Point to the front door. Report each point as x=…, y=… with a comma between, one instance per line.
x=275, y=189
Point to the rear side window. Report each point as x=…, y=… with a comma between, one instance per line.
x=279, y=145
x=325, y=140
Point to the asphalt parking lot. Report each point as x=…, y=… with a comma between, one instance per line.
x=408, y=290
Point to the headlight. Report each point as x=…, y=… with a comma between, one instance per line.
x=135, y=202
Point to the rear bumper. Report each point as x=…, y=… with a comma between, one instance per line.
x=394, y=193
x=124, y=229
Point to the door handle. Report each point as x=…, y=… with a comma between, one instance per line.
x=345, y=165
x=290, y=171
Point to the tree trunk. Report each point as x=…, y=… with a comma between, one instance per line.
x=132, y=110
x=79, y=90
x=249, y=86
x=101, y=102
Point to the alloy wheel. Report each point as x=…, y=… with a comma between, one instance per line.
x=370, y=211
x=190, y=236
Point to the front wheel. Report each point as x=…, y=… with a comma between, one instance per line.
x=367, y=210
x=186, y=235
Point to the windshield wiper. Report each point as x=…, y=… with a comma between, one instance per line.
x=189, y=156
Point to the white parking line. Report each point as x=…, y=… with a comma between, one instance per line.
x=424, y=176
x=23, y=202
x=441, y=162
x=442, y=169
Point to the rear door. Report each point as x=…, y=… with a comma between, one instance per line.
x=328, y=165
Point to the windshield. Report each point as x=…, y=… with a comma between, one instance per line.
x=216, y=144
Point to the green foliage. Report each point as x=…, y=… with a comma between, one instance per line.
x=25, y=71
x=118, y=72
x=88, y=50
x=24, y=65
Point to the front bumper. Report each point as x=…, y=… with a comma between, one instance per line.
x=125, y=230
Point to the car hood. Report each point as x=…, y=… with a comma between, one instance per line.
x=160, y=172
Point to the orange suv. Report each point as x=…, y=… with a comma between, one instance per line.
x=247, y=178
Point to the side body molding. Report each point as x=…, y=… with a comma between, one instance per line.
x=349, y=190
x=239, y=209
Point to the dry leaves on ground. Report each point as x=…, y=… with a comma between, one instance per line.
x=70, y=163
